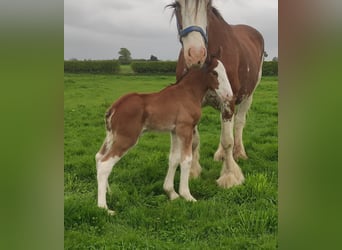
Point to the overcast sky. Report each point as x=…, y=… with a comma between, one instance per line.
x=97, y=29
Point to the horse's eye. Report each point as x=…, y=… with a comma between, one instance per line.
x=215, y=73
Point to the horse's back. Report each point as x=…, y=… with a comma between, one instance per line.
x=250, y=40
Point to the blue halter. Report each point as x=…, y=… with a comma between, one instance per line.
x=186, y=31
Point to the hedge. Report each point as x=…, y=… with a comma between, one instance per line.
x=154, y=67
x=90, y=66
x=270, y=68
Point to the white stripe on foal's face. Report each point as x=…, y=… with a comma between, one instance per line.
x=224, y=90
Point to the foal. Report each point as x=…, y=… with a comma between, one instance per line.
x=177, y=109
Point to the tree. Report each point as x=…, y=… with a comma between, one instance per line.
x=153, y=58
x=275, y=59
x=125, y=56
x=265, y=54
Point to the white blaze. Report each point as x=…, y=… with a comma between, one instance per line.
x=224, y=90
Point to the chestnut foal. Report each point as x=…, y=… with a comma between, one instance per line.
x=177, y=109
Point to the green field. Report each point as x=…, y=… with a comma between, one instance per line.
x=244, y=217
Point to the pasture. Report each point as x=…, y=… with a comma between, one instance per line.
x=244, y=217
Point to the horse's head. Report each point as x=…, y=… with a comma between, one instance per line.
x=191, y=18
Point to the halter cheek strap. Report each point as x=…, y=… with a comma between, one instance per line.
x=186, y=31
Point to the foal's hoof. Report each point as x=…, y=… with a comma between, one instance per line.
x=173, y=196
x=110, y=212
x=188, y=197
x=195, y=171
x=192, y=199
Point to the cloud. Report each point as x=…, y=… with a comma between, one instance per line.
x=144, y=27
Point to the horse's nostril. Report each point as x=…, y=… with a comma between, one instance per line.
x=199, y=62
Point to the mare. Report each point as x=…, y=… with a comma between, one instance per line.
x=175, y=109
x=201, y=30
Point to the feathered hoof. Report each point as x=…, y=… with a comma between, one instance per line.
x=239, y=153
x=219, y=155
x=229, y=180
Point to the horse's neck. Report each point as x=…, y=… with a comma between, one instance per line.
x=219, y=31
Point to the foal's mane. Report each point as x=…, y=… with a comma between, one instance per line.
x=208, y=66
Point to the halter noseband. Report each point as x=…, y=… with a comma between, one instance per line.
x=184, y=32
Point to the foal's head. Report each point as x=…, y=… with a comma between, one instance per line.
x=192, y=24
x=218, y=80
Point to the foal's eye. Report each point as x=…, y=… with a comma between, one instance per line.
x=215, y=73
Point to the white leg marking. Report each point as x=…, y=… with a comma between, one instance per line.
x=196, y=168
x=174, y=159
x=184, y=179
x=226, y=139
x=104, y=168
x=231, y=174
x=224, y=90
x=98, y=157
x=240, y=121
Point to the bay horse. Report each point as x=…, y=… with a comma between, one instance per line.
x=201, y=30
x=176, y=109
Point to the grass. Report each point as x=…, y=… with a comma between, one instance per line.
x=243, y=217
x=126, y=70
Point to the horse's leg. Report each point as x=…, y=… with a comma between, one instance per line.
x=106, y=164
x=196, y=168
x=240, y=121
x=185, y=135
x=174, y=160
x=231, y=174
x=220, y=152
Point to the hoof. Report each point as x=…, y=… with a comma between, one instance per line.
x=189, y=198
x=219, y=155
x=195, y=171
x=173, y=196
x=110, y=212
x=239, y=153
x=229, y=180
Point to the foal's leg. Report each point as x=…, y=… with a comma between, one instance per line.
x=185, y=135
x=231, y=174
x=174, y=160
x=196, y=168
x=104, y=168
x=106, y=164
x=240, y=121
x=99, y=155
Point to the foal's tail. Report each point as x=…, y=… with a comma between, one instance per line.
x=110, y=135
x=108, y=118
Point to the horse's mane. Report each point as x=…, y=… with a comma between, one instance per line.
x=214, y=10
x=217, y=13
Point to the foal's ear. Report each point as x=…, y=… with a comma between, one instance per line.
x=218, y=54
x=208, y=60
